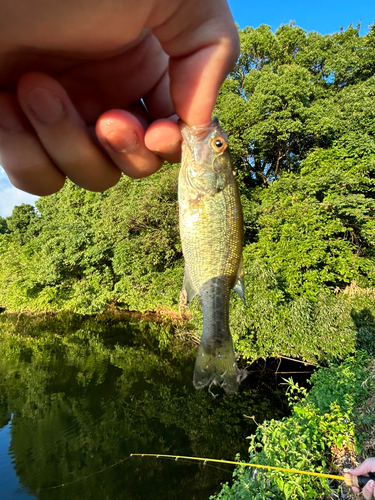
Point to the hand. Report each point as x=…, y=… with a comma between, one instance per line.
x=123, y=68
x=368, y=490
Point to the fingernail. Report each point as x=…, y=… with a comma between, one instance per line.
x=123, y=141
x=45, y=105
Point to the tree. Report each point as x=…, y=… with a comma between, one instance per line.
x=287, y=93
x=3, y=225
x=23, y=223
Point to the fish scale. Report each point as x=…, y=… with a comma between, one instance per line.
x=211, y=228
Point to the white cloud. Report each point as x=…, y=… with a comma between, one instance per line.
x=11, y=196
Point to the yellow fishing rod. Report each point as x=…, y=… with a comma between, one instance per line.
x=350, y=480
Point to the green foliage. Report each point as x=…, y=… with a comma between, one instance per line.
x=321, y=422
x=95, y=249
x=363, y=317
x=342, y=384
x=292, y=91
x=3, y=225
x=23, y=223
x=316, y=229
x=272, y=324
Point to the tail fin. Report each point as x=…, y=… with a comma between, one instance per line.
x=217, y=366
x=215, y=363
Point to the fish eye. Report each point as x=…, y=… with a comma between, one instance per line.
x=219, y=144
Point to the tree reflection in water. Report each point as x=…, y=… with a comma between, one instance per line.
x=85, y=393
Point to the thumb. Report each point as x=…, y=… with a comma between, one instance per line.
x=368, y=490
x=202, y=41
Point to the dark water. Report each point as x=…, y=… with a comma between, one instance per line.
x=78, y=397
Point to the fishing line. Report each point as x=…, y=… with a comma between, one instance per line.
x=86, y=477
x=205, y=464
x=105, y=469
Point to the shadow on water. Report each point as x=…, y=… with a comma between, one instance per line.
x=84, y=394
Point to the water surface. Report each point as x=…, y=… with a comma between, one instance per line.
x=78, y=396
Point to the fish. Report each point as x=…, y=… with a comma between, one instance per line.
x=211, y=230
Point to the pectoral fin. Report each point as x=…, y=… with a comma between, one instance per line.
x=188, y=291
x=239, y=286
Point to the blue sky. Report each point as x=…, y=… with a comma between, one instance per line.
x=10, y=196
x=324, y=16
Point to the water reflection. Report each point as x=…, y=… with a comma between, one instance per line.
x=86, y=397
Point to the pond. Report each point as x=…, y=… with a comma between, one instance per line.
x=79, y=395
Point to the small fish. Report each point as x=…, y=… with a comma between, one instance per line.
x=211, y=229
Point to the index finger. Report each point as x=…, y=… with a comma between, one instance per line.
x=367, y=466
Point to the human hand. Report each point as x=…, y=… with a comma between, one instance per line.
x=69, y=67
x=368, y=491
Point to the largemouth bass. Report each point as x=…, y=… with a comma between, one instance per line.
x=211, y=229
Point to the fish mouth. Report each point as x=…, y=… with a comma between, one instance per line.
x=195, y=134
